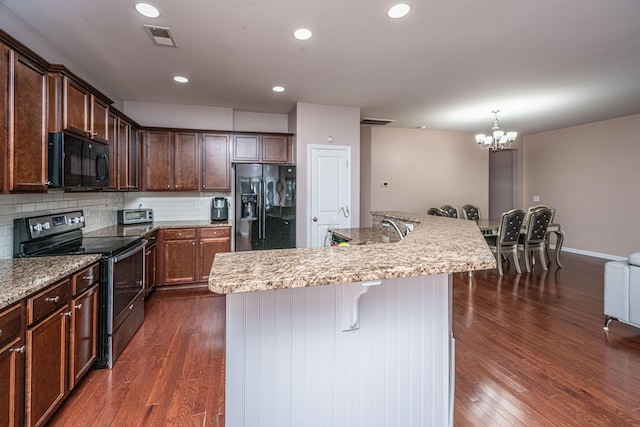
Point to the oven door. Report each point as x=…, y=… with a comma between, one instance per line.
x=125, y=288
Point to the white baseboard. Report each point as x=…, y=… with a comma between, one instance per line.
x=593, y=254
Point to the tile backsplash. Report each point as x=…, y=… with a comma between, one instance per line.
x=100, y=208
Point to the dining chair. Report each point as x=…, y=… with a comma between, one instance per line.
x=505, y=243
x=553, y=214
x=437, y=212
x=450, y=210
x=471, y=212
x=535, y=238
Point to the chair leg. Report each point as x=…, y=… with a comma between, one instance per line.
x=527, y=263
x=542, y=259
x=516, y=261
x=499, y=262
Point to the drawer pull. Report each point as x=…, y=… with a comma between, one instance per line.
x=131, y=307
x=18, y=350
x=79, y=306
x=68, y=313
x=1, y=332
x=87, y=278
x=54, y=299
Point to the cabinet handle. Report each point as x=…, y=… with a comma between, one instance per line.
x=193, y=243
x=168, y=186
x=1, y=332
x=79, y=306
x=87, y=278
x=200, y=243
x=68, y=313
x=18, y=350
x=55, y=299
x=131, y=307
x=202, y=185
x=148, y=253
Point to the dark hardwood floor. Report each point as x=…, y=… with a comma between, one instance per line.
x=530, y=350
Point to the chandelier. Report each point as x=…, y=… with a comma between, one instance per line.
x=499, y=138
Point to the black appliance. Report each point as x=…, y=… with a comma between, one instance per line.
x=219, y=209
x=265, y=207
x=76, y=163
x=121, y=289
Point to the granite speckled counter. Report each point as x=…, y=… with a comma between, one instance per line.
x=140, y=230
x=21, y=277
x=437, y=245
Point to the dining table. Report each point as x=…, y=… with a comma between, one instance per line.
x=489, y=227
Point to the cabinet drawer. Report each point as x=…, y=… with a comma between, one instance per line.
x=220, y=232
x=10, y=323
x=47, y=301
x=87, y=277
x=181, y=233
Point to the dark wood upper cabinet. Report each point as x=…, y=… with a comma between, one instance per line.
x=262, y=148
x=75, y=106
x=4, y=114
x=170, y=160
x=128, y=156
x=277, y=149
x=216, y=173
x=27, y=142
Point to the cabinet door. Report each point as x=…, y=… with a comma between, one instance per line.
x=83, y=348
x=75, y=107
x=4, y=114
x=134, y=159
x=211, y=240
x=112, y=124
x=276, y=149
x=216, y=174
x=157, y=160
x=179, y=261
x=12, y=383
x=150, y=268
x=186, y=161
x=46, y=366
x=27, y=150
x=246, y=148
x=99, y=120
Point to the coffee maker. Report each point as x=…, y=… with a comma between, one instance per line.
x=219, y=209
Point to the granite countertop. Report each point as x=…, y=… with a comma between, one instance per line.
x=140, y=230
x=366, y=236
x=436, y=245
x=21, y=277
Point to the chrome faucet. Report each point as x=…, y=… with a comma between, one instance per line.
x=386, y=222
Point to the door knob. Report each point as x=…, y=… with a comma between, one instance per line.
x=315, y=219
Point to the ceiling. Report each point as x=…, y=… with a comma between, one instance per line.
x=546, y=64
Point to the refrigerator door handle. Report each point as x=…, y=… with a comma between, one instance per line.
x=263, y=210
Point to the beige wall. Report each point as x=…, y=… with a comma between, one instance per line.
x=591, y=175
x=312, y=124
x=424, y=168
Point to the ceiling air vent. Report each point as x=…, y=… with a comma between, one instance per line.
x=161, y=36
x=372, y=121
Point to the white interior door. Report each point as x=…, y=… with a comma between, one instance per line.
x=330, y=191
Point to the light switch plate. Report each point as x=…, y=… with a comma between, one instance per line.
x=536, y=198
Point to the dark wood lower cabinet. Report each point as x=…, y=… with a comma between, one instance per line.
x=83, y=346
x=12, y=383
x=187, y=253
x=46, y=366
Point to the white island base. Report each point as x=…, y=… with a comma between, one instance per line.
x=290, y=363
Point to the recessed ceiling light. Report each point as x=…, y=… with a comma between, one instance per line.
x=278, y=89
x=302, y=34
x=181, y=79
x=148, y=10
x=399, y=10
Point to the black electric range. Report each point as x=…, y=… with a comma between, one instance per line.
x=121, y=290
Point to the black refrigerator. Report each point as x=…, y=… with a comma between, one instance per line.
x=265, y=207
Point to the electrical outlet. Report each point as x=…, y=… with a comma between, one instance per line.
x=536, y=198
x=384, y=184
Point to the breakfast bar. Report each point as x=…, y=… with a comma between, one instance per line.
x=347, y=335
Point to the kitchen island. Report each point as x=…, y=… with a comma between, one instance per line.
x=357, y=335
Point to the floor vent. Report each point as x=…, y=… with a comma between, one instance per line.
x=372, y=121
x=161, y=36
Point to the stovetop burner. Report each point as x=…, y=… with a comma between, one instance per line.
x=107, y=246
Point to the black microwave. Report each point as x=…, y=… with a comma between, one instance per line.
x=76, y=163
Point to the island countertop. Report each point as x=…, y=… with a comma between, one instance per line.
x=436, y=245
